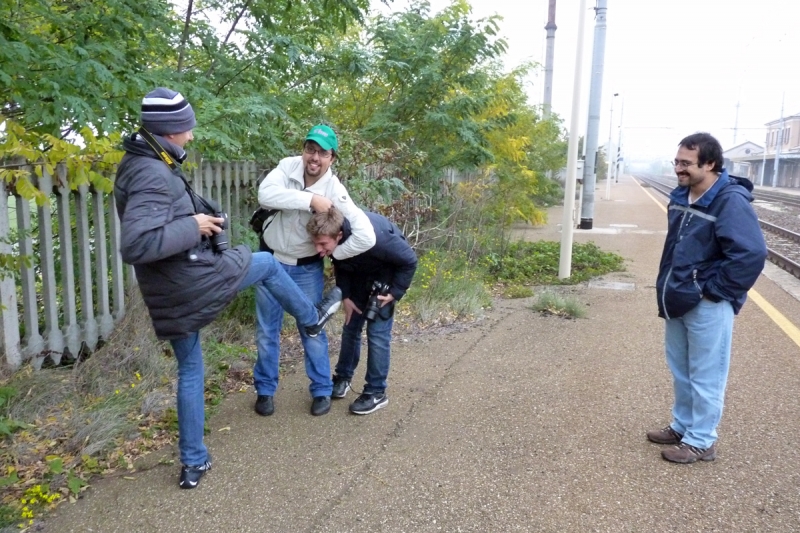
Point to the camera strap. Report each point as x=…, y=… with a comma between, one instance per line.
x=165, y=157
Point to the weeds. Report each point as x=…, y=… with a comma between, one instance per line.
x=517, y=291
x=553, y=304
x=446, y=288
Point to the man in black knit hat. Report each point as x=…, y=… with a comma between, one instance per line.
x=185, y=275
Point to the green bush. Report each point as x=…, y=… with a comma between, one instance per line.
x=536, y=263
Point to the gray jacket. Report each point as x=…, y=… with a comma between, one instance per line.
x=183, y=282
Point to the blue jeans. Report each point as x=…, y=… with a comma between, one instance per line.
x=379, y=339
x=698, y=348
x=269, y=318
x=265, y=271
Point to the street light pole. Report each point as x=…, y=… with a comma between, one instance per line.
x=609, y=152
x=619, y=139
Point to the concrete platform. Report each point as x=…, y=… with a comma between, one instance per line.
x=522, y=423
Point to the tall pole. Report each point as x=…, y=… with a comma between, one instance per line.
x=593, y=127
x=763, y=161
x=548, y=62
x=619, y=140
x=609, y=148
x=565, y=257
x=778, y=145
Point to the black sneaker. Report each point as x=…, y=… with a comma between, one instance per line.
x=190, y=475
x=340, y=387
x=321, y=405
x=326, y=307
x=368, y=403
x=264, y=405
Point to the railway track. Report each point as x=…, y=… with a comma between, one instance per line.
x=783, y=244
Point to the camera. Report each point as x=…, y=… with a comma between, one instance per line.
x=219, y=241
x=374, y=305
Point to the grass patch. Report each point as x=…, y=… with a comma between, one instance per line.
x=446, y=288
x=553, y=304
x=517, y=291
x=536, y=263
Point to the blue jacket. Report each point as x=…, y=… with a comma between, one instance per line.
x=714, y=248
x=391, y=261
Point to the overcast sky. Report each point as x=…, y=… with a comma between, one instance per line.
x=679, y=66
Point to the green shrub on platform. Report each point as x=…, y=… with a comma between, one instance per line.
x=536, y=263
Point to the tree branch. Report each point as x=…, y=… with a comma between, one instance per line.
x=185, y=35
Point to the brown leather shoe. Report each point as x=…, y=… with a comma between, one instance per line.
x=664, y=436
x=684, y=453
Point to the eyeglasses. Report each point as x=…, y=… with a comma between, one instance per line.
x=682, y=164
x=323, y=154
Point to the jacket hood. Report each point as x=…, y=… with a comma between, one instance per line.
x=725, y=184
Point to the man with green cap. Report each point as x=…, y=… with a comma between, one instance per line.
x=299, y=187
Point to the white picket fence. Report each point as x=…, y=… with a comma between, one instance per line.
x=72, y=292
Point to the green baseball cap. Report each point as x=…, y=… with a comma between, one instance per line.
x=323, y=136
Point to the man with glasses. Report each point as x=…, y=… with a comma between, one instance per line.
x=299, y=187
x=713, y=254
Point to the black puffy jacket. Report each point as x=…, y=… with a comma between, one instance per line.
x=183, y=282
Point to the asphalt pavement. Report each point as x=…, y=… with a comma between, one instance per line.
x=520, y=422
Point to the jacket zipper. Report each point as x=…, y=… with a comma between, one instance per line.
x=669, y=273
x=694, y=280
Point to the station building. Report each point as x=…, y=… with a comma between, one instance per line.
x=758, y=163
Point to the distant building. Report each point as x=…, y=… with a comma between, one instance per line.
x=782, y=142
x=734, y=161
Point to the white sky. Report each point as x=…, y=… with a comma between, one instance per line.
x=679, y=66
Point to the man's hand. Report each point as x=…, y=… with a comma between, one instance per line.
x=320, y=204
x=208, y=225
x=385, y=300
x=349, y=308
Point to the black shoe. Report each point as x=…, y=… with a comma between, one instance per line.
x=368, y=403
x=340, y=387
x=326, y=307
x=321, y=405
x=264, y=405
x=190, y=475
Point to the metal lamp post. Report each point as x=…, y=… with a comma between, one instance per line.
x=609, y=151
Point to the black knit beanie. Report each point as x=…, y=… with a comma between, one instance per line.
x=165, y=112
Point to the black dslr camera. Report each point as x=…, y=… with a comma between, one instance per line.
x=219, y=241
x=374, y=305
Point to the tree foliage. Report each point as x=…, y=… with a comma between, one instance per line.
x=411, y=93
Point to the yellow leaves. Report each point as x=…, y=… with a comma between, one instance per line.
x=88, y=160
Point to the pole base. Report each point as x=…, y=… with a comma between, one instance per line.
x=586, y=223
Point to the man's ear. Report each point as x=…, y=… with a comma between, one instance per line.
x=339, y=237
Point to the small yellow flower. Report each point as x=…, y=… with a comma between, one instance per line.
x=133, y=385
x=116, y=391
